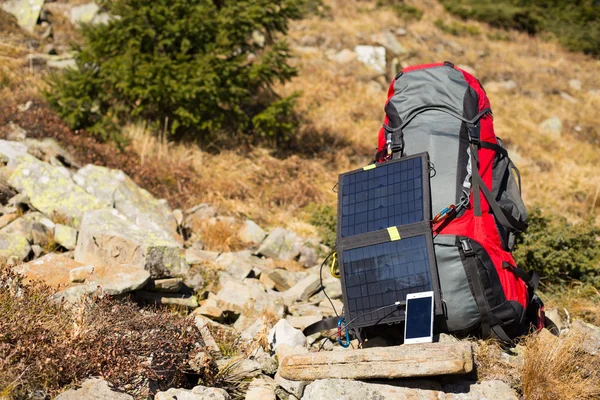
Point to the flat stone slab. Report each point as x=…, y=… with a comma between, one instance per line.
x=404, y=361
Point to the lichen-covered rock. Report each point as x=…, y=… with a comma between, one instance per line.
x=51, y=192
x=23, y=226
x=251, y=233
x=26, y=11
x=198, y=215
x=15, y=152
x=114, y=187
x=93, y=389
x=281, y=244
x=65, y=236
x=13, y=248
x=108, y=238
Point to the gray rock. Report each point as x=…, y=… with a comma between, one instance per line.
x=554, y=315
x=203, y=325
x=251, y=233
x=37, y=250
x=268, y=364
x=302, y=322
x=13, y=248
x=16, y=153
x=169, y=285
x=178, y=215
x=553, y=126
x=115, y=188
x=296, y=388
x=51, y=192
x=23, y=226
x=308, y=255
x=372, y=56
x=344, y=56
x=65, y=236
x=197, y=393
x=194, y=255
x=108, y=238
x=242, y=367
x=168, y=298
x=401, y=32
x=26, y=11
x=48, y=150
x=84, y=14
x=198, y=215
x=251, y=332
x=93, y=389
x=388, y=40
x=302, y=290
x=283, y=333
x=280, y=244
x=575, y=84
x=235, y=264
x=210, y=308
x=261, y=389
x=489, y=390
x=237, y=297
x=354, y=390
x=16, y=133
x=591, y=336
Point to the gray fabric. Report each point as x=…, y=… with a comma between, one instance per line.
x=433, y=131
x=460, y=304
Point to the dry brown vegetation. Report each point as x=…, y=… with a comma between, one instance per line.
x=45, y=346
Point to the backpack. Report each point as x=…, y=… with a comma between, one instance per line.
x=475, y=195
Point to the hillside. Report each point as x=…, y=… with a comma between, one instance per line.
x=243, y=228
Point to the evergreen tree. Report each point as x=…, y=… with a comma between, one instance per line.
x=199, y=67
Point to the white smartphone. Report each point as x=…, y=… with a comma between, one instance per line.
x=418, y=323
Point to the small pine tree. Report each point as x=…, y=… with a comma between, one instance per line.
x=202, y=67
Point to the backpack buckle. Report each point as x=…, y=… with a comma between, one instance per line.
x=467, y=248
x=474, y=133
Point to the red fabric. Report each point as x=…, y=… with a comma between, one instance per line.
x=479, y=229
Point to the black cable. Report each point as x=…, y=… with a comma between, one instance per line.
x=323, y=286
x=398, y=304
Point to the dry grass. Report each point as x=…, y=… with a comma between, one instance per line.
x=493, y=365
x=221, y=236
x=558, y=368
x=46, y=346
x=581, y=300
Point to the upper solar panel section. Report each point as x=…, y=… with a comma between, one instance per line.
x=389, y=195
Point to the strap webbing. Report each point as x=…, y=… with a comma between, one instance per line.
x=532, y=279
x=320, y=326
x=479, y=294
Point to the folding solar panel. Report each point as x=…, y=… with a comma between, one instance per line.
x=385, y=247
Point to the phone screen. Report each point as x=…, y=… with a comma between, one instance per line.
x=418, y=317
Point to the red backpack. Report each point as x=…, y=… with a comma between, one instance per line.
x=475, y=195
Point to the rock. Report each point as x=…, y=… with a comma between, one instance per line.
x=37, y=250
x=591, y=336
x=284, y=333
x=261, y=389
x=115, y=188
x=198, y=215
x=16, y=133
x=509, y=86
x=48, y=150
x=65, y=236
x=210, y=308
x=236, y=297
x=84, y=14
x=258, y=38
x=56, y=271
x=304, y=321
x=267, y=363
x=23, y=226
x=554, y=315
x=401, y=32
x=302, y=290
x=251, y=233
x=353, y=390
x=295, y=388
x=553, y=126
x=178, y=215
x=51, y=192
x=26, y=11
x=15, y=152
x=308, y=255
x=197, y=393
x=251, y=332
x=6, y=193
x=344, y=56
x=80, y=274
x=388, y=40
x=24, y=107
x=372, y=56
x=197, y=256
x=169, y=285
x=575, y=84
x=235, y=264
x=183, y=300
x=63, y=63
x=280, y=244
x=489, y=390
x=93, y=389
x=281, y=279
x=284, y=350
x=13, y=248
x=7, y=219
x=385, y=362
x=241, y=367
x=108, y=238
x=209, y=341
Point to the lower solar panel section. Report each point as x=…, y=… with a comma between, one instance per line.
x=379, y=275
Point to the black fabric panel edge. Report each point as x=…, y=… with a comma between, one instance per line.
x=470, y=110
x=382, y=235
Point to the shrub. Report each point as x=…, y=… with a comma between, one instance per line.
x=558, y=250
x=576, y=24
x=324, y=217
x=457, y=28
x=190, y=67
x=402, y=9
x=45, y=346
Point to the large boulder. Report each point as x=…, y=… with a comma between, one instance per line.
x=108, y=238
x=26, y=11
x=14, y=153
x=197, y=393
x=114, y=187
x=93, y=389
x=13, y=248
x=248, y=297
x=62, y=272
x=51, y=192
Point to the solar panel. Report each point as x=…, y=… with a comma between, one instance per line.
x=384, y=242
x=377, y=198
